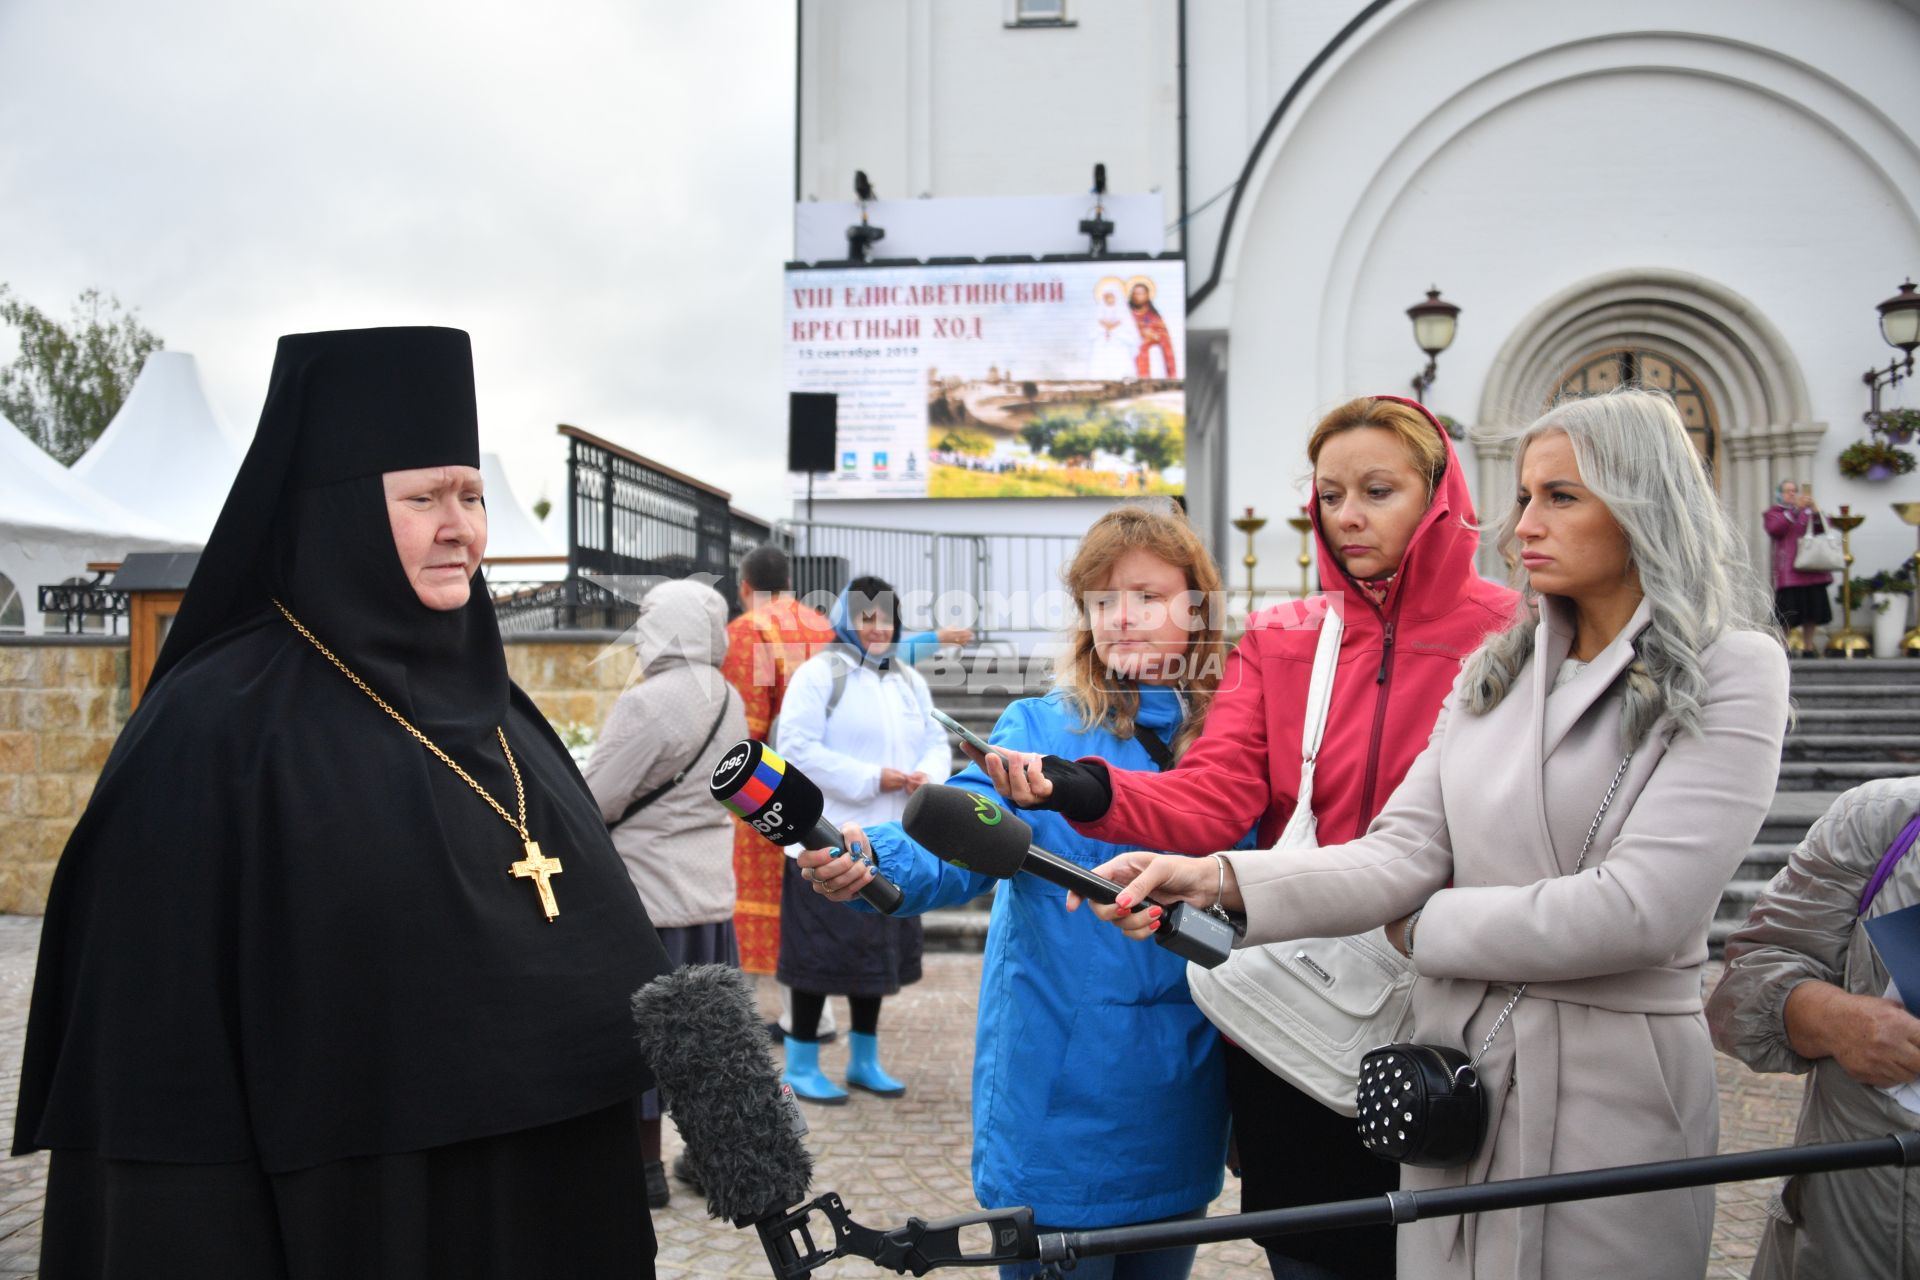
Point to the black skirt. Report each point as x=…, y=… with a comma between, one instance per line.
x=1294, y=1152
x=829, y=948
x=1803, y=606
x=560, y=1201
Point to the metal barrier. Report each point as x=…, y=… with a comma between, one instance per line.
x=92, y=607
x=991, y=582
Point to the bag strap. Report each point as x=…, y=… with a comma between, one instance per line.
x=1156, y=747
x=1326, y=660
x=1895, y=851
x=1592, y=830
x=726, y=698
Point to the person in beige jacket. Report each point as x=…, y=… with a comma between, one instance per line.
x=1640, y=668
x=662, y=738
x=1805, y=991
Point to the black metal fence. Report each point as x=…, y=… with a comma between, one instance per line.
x=86, y=607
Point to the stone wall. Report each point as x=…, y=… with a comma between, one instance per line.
x=572, y=676
x=63, y=701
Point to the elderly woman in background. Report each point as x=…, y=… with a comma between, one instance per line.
x=859, y=723
x=1590, y=786
x=1799, y=595
x=1806, y=992
x=648, y=774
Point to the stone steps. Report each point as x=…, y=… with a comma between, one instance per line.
x=1828, y=775
x=1903, y=747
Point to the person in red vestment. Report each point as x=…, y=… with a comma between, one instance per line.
x=1153, y=330
x=765, y=645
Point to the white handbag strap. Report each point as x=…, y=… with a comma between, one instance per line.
x=1326, y=657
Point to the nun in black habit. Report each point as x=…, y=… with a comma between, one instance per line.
x=309, y=1004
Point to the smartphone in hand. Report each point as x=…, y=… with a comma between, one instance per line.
x=966, y=735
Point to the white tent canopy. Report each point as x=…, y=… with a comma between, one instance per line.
x=52, y=524
x=164, y=454
x=513, y=531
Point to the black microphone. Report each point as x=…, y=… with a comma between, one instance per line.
x=781, y=803
x=971, y=832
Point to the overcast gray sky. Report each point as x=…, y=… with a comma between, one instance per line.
x=598, y=190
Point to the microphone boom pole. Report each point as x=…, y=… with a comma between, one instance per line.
x=1397, y=1208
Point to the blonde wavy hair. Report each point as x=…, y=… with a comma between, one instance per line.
x=1102, y=698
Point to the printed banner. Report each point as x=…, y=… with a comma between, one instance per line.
x=1027, y=380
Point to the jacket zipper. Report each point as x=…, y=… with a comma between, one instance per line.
x=1379, y=714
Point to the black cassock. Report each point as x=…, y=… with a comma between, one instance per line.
x=293, y=1016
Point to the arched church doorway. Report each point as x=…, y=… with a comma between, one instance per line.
x=1735, y=379
x=1605, y=370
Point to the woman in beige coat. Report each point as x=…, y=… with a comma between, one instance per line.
x=1639, y=665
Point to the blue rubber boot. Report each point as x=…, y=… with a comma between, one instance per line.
x=863, y=1067
x=803, y=1074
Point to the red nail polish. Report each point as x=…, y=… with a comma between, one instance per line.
x=1155, y=913
x=1123, y=902
x=1154, y=928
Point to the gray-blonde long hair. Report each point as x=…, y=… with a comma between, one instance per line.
x=1635, y=457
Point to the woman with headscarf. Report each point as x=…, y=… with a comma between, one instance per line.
x=1799, y=595
x=648, y=773
x=859, y=724
x=335, y=972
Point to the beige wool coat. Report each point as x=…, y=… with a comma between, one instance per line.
x=1606, y=1060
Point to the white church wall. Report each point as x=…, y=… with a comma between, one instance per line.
x=950, y=100
x=1530, y=147
x=1511, y=152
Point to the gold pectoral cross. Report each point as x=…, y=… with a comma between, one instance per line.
x=541, y=869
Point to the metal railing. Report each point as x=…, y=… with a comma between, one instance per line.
x=86, y=607
x=991, y=582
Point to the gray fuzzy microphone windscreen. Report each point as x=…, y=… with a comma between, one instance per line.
x=701, y=1031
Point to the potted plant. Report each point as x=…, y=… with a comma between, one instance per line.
x=1897, y=425
x=1874, y=459
x=1885, y=595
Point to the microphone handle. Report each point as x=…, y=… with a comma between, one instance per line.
x=1055, y=869
x=880, y=893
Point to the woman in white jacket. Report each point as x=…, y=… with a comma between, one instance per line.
x=859, y=725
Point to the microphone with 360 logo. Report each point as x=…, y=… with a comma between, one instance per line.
x=783, y=804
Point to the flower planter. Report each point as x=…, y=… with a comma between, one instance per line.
x=1878, y=471
x=1889, y=623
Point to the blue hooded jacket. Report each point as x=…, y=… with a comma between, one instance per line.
x=1099, y=1097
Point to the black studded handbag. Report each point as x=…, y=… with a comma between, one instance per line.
x=1422, y=1104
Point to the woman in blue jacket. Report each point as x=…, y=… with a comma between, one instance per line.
x=1074, y=1025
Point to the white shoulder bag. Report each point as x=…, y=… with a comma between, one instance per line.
x=1310, y=1009
x=1820, y=550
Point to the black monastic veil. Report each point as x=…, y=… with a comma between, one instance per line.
x=292, y=1014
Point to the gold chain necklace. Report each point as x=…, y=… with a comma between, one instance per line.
x=536, y=865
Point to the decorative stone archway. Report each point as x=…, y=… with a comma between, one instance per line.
x=1766, y=427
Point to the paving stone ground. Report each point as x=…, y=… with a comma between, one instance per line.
x=887, y=1159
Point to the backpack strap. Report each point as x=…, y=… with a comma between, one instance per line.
x=1156, y=747
x=842, y=669
x=726, y=698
